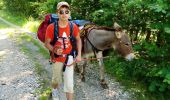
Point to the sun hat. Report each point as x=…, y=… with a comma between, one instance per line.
x=63, y=3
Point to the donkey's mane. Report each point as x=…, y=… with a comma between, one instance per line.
x=94, y=26
x=105, y=28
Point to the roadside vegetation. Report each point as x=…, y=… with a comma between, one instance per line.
x=25, y=22
x=146, y=22
x=2, y=25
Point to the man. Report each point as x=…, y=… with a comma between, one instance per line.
x=63, y=49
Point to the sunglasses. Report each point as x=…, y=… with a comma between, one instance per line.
x=62, y=12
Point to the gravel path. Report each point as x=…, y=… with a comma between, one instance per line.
x=92, y=90
x=18, y=80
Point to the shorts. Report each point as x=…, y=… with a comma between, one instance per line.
x=58, y=75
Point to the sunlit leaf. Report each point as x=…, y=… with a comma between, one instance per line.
x=167, y=29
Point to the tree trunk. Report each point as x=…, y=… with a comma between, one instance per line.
x=159, y=39
x=148, y=35
x=136, y=35
x=131, y=34
x=143, y=30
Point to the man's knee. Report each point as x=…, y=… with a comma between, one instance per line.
x=69, y=89
x=54, y=85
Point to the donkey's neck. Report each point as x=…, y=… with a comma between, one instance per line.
x=102, y=39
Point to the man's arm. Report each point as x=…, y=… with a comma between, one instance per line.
x=79, y=47
x=57, y=50
x=48, y=37
x=48, y=45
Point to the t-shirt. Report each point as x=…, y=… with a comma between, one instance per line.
x=65, y=33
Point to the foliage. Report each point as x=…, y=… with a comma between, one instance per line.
x=32, y=25
x=17, y=6
x=17, y=20
x=2, y=25
x=1, y=4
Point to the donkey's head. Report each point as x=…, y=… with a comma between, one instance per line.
x=123, y=44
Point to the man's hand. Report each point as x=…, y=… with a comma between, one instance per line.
x=58, y=50
x=78, y=58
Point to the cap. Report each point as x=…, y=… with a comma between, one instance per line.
x=63, y=3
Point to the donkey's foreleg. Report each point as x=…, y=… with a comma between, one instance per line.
x=101, y=66
x=82, y=72
x=76, y=68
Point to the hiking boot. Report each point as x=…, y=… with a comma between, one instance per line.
x=55, y=94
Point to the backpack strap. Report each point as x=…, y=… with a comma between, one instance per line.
x=73, y=41
x=71, y=29
x=55, y=33
x=55, y=37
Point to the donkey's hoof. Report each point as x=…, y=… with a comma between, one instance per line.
x=83, y=79
x=77, y=70
x=104, y=86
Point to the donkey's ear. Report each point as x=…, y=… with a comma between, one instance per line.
x=117, y=27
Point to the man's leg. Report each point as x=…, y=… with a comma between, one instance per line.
x=56, y=79
x=69, y=96
x=68, y=79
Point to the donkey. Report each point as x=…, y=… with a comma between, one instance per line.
x=96, y=39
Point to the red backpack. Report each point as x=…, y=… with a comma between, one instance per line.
x=49, y=18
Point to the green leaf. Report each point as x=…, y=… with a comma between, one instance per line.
x=162, y=87
x=167, y=29
x=167, y=81
x=162, y=73
x=156, y=25
x=167, y=76
x=152, y=86
x=168, y=14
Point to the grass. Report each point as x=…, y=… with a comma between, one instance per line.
x=32, y=25
x=26, y=22
x=3, y=25
x=28, y=38
x=18, y=20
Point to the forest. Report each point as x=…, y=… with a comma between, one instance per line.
x=147, y=22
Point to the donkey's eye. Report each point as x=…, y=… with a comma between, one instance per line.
x=127, y=44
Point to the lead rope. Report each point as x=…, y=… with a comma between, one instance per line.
x=85, y=59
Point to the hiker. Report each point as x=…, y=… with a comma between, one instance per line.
x=63, y=50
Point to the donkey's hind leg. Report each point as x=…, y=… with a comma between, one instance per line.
x=101, y=65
